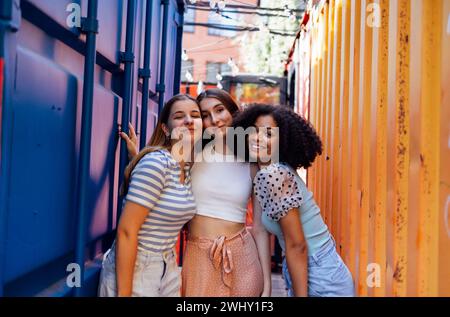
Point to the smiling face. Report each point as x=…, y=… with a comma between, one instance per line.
x=264, y=142
x=215, y=115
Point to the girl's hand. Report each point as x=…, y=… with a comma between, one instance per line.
x=130, y=140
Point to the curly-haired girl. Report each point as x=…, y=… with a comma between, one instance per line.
x=312, y=265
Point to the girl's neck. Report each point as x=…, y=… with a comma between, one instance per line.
x=178, y=158
x=181, y=163
x=221, y=147
x=262, y=165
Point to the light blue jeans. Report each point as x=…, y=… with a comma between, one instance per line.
x=328, y=276
x=155, y=275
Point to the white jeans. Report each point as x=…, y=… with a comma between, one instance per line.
x=155, y=275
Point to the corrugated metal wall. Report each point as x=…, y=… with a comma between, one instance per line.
x=41, y=131
x=380, y=99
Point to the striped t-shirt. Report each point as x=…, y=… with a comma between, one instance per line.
x=155, y=184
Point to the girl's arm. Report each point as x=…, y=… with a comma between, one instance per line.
x=146, y=184
x=261, y=237
x=296, y=251
x=131, y=220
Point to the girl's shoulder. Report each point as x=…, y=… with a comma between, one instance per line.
x=279, y=173
x=160, y=157
x=281, y=170
x=278, y=190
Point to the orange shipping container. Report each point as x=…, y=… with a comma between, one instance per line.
x=379, y=96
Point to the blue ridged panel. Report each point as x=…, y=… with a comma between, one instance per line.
x=104, y=163
x=43, y=158
x=46, y=90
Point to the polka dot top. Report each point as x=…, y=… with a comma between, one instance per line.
x=279, y=189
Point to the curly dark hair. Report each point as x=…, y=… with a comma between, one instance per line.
x=299, y=143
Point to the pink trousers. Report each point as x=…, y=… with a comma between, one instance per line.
x=222, y=267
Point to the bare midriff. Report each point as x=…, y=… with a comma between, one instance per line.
x=211, y=228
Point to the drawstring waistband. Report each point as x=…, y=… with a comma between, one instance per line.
x=220, y=254
x=241, y=233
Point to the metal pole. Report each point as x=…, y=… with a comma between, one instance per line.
x=161, y=87
x=177, y=75
x=90, y=27
x=127, y=58
x=176, y=90
x=145, y=72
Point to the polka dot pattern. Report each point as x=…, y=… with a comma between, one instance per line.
x=277, y=190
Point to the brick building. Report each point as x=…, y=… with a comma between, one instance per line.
x=211, y=51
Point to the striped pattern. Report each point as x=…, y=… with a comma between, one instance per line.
x=155, y=184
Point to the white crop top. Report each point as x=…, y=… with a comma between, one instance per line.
x=222, y=189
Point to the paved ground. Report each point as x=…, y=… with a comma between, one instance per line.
x=278, y=286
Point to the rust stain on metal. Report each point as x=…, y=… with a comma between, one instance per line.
x=397, y=276
x=399, y=217
x=361, y=199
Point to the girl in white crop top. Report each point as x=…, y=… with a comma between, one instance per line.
x=222, y=189
x=222, y=258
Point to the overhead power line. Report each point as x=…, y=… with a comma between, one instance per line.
x=224, y=26
x=248, y=7
x=216, y=49
x=236, y=28
x=192, y=49
x=240, y=12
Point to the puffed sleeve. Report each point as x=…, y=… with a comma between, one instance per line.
x=283, y=192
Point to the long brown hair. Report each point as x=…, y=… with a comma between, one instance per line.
x=223, y=96
x=158, y=141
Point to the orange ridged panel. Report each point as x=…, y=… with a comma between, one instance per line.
x=444, y=158
x=380, y=102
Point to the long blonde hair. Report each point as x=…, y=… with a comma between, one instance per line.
x=158, y=141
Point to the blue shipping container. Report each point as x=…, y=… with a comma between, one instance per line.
x=71, y=71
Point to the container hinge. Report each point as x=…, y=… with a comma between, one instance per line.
x=89, y=25
x=161, y=88
x=145, y=73
x=126, y=57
